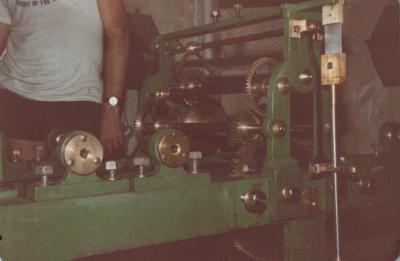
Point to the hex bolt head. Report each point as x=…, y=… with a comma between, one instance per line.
x=111, y=165
x=141, y=161
x=195, y=155
x=44, y=170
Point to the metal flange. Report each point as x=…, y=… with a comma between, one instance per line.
x=170, y=147
x=80, y=152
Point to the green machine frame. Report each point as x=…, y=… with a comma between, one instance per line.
x=87, y=215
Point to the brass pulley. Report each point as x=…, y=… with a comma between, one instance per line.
x=170, y=147
x=80, y=152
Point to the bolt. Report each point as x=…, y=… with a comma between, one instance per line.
x=83, y=138
x=238, y=7
x=39, y=152
x=195, y=156
x=16, y=153
x=142, y=163
x=305, y=78
x=297, y=28
x=215, y=15
x=283, y=86
x=71, y=162
x=173, y=134
x=97, y=161
x=111, y=168
x=291, y=194
x=279, y=129
x=44, y=171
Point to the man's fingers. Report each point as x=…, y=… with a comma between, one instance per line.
x=113, y=146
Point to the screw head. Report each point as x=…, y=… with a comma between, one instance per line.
x=71, y=162
x=96, y=161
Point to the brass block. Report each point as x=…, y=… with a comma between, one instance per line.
x=333, y=14
x=333, y=69
x=297, y=27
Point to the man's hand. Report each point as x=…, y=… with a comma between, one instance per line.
x=111, y=131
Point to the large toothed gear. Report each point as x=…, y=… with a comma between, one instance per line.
x=257, y=81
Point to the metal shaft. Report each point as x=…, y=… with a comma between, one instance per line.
x=335, y=175
x=232, y=41
x=141, y=172
x=195, y=167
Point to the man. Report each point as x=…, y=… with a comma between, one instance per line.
x=55, y=73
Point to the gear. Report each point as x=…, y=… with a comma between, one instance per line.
x=150, y=117
x=257, y=81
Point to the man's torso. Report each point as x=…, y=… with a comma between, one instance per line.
x=54, y=50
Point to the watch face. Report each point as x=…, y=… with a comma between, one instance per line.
x=113, y=101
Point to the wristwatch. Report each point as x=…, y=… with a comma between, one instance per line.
x=113, y=101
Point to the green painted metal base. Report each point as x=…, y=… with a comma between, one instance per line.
x=75, y=186
x=8, y=193
x=71, y=228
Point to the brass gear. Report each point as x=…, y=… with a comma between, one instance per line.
x=257, y=84
x=151, y=117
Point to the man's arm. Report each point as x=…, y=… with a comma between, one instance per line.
x=4, y=31
x=114, y=70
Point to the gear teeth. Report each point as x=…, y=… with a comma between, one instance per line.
x=158, y=108
x=249, y=83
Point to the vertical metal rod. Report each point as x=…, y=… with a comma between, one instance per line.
x=335, y=175
x=195, y=167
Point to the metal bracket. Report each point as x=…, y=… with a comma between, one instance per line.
x=297, y=27
x=333, y=14
x=328, y=167
x=333, y=69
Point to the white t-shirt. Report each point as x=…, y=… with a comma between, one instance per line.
x=54, y=50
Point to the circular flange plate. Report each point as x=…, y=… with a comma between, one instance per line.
x=82, y=153
x=173, y=148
